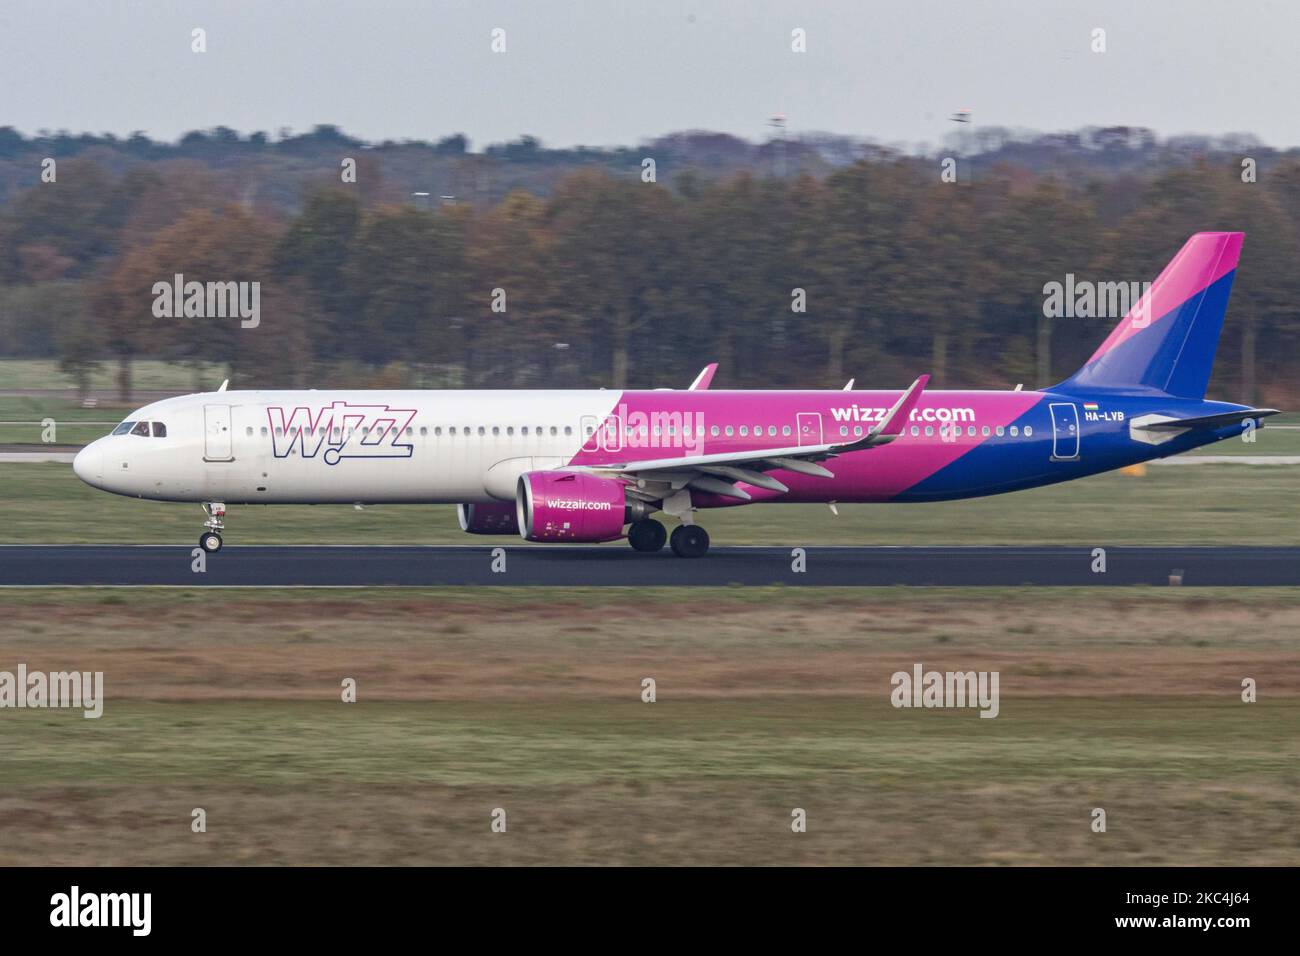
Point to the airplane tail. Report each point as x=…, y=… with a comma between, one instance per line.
x=1166, y=342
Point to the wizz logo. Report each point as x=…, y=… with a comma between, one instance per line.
x=343, y=430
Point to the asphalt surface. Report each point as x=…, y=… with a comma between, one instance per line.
x=353, y=566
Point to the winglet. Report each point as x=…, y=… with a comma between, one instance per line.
x=894, y=422
x=702, y=380
x=892, y=425
x=223, y=385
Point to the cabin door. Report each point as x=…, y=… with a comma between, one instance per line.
x=1065, y=431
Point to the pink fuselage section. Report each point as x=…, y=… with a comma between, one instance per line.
x=943, y=428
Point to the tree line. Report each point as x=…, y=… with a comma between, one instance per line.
x=876, y=271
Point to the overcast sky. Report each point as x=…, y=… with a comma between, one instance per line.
x=614, y=72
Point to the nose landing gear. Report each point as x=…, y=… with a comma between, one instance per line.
x=210, y=540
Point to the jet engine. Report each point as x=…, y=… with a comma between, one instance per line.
x=569, y=506
x=494, y=518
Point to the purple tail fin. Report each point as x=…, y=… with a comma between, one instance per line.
x=1166, y=342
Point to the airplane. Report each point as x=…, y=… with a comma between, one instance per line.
x=588, y=466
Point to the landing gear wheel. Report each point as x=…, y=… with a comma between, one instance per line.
x=689, y=541
x=210, y=540
x=647, y=535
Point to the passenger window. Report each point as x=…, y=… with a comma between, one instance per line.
x=857, y=429
x=496, y=430
x=123, y=428
x=523, y=431
x=713, y=431
x=481, y=430
x=985, y=431
x=844, y=429
x=249, y=431
x=771, y=431
x=1014, y=431
x=730, y=431
x=744, y=431
x=568, y=429
x=1029, y=430
x=916, y=430
x=141, y=428
x=929, y=430
x=785, y=430
x=1001, y=431
x=970, y=430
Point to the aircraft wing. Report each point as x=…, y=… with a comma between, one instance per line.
x=1208, y=421
x=717, y=473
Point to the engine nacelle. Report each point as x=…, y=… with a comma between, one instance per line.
x=569, y=506
x=495, y=518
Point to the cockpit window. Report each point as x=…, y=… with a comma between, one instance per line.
x=159, y=430
x=123, y=428
x=141, y=428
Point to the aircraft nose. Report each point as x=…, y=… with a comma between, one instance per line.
x=89, y=463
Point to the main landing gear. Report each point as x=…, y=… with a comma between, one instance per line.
x=687, y=541
x=210, y=540
x=646, y=535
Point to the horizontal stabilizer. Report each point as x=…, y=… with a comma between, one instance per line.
x=1208, y=421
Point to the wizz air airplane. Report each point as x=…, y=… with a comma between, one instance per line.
x=598, y=465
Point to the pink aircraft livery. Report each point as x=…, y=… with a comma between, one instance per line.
x=600, y=465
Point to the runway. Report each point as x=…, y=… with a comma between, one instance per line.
x=516, y=566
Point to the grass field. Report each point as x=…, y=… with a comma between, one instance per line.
x=145, y=374
x=767, y=701
x=1207, y=504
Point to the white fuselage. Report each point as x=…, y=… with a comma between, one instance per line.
x=289, y=447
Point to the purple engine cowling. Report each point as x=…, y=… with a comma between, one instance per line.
x=494, y=518
x=569, y=506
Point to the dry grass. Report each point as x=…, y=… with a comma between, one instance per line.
x=768, y=700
